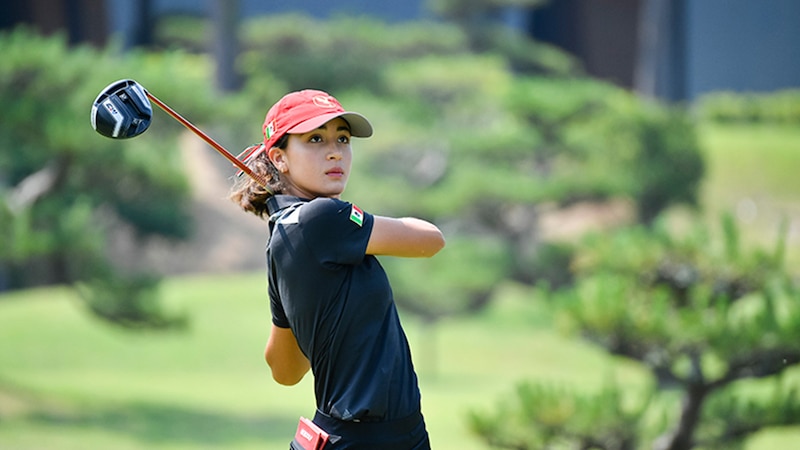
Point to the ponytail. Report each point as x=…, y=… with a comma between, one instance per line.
x=248, y=193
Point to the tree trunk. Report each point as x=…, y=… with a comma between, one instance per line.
x=681, y=438
x=225, y=15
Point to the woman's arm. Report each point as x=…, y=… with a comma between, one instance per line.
x=288, y=363
x=406, y=236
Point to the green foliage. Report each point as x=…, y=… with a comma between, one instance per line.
x=683, y=295
x=729, y=416
x=704, y=313
x=183, y=32
x=338, y=55
x=48, y=89
x=128, y=301
x=728, y=107
x=466, y=275
x=550, y=265
x=542, y=416
x=62, y=182
x=474, y=143
x=672, y=166
x=527, y=56
x=700, y=313
x=627, y=147
x=479, y=21
x=537, y=141
x=576, y=156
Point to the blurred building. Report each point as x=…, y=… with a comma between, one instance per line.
x=679, y=49
x=82, y=20
x=671, y=49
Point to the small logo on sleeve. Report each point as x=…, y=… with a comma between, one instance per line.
x=357, y=215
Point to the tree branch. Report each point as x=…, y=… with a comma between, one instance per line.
x=34, y=186
x=758, y=364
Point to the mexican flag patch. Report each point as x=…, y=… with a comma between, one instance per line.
x=357, y=215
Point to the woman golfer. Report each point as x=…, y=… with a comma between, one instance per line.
x=331, y=302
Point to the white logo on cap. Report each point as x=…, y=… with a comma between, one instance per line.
x=324, y=101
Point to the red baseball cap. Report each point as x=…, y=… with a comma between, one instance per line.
x=302, y=111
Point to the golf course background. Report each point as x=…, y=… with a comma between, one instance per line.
x=70, y=381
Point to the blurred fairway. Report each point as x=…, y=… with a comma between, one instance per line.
x=753, y=173
x=68, y=381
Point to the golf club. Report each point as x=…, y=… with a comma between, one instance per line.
x=122, y=110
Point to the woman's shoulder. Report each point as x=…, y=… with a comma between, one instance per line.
x=322, y=207
x=331, y=217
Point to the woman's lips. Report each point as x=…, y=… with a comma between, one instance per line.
x=335, y=172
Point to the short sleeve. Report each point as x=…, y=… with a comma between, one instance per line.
x=279, y=318
x=337, y=232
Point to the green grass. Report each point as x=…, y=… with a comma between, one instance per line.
x=753, y=173
x=752, y=160
x=68, y=381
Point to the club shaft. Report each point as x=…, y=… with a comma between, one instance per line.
x=235, y=161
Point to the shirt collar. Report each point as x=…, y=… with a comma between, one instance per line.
x=277, y=203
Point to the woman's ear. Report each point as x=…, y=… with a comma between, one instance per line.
x=278, y=158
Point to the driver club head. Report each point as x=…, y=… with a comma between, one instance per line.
x=122, y=110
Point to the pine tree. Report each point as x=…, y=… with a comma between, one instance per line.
x=703, y=317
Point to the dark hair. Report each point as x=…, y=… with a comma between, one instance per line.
x=249, y=194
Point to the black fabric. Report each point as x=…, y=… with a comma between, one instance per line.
x=407, y=433
x=338, y=302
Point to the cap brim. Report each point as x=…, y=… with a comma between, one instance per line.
x=359, y=125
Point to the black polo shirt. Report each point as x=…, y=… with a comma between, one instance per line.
x=338, y=302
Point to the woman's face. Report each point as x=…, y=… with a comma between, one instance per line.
x=317, y=163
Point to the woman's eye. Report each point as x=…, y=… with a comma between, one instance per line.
x=315, y=139
x=344, y=139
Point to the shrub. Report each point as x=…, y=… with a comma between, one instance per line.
x=776, y=107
